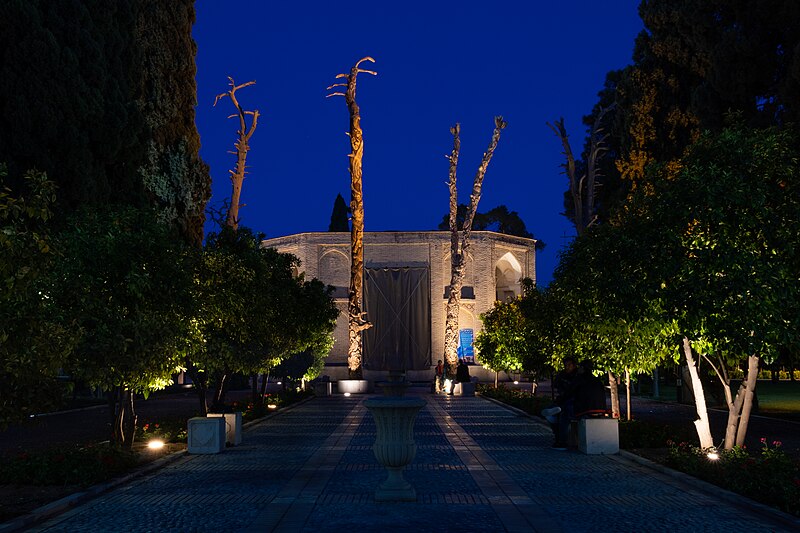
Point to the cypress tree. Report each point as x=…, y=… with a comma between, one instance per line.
x=100, y=95
x=339, y=214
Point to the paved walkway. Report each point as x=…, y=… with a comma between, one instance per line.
x=479, y=467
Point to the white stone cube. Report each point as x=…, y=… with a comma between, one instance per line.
x=598, y=436
x=206, y=435
x=464, y=389
x=233, y=427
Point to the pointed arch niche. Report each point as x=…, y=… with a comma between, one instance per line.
x=507, y=273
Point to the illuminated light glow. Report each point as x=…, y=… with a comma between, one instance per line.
x=447, y=384
x=155, y=444
x=516, y=382
x=713, y=455
x=272, y=406
x=347, y=394
x=280, y=383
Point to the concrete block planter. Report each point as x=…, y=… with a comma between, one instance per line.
x=598, y=436
x=206, y=435
x=233, y=427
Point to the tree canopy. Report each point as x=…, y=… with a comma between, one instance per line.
x=100, y=95
x=498, y=219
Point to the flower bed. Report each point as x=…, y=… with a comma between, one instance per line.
x=768, y=476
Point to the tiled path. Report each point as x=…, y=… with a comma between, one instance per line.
x=479, y=467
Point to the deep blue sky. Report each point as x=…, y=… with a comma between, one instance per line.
x=438, y=62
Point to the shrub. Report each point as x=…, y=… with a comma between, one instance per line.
x=645, y=434
x=769, y=476
x=525, y=401
x=67, y=466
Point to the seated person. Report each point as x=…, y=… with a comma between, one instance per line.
x=584, y=395
x=561, y=413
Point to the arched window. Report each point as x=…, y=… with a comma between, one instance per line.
x=507, y=273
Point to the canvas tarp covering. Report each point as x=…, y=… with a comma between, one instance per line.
x=397, y=301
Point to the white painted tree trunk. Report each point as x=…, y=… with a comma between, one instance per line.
x=701, y=424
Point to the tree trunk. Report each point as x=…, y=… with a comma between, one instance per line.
x=628, y=394
x=495, y=378
x=612, y=385
x=129, y=425
x=734, y=408
x=356, y=321
x=242, y=146
x=458, y=257
x=264, y=385
x=744, y=419
x=219, y=396
x=115, y=405
x=254, y=387
x=656, y=391
x=200, y=385
x=701, y=424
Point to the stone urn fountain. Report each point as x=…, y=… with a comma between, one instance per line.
x=395, y=385
x=394, y=446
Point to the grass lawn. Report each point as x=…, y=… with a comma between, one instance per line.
x=779, y=398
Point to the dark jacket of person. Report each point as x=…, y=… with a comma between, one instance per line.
x=590, y=394
x=462, y=372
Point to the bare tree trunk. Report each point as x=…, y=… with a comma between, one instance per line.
x=264, y=384
x=457, y=263
x=628, y=394
x=614, y=387
x=734, y=408
x=458, y=258
x=219, y=397
x=242, y=146
x=744, y=420
x=129, y=425
x=701, y=424
x=356, y=319
x=582, y=190
x=575, y=185
x=656, y=390
x=117, y=414
x=495, y=378
x=254, y=387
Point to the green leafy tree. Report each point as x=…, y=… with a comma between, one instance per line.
x=125, y=281
x=33, y=344
x=253, y=313
x=730, y=215
x=516, y=334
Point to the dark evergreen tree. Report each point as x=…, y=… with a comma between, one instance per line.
x=339, y=216
x=498, y=219
x=100, y=95
x=696, y=62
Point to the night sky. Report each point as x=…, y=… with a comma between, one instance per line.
x=438, y=63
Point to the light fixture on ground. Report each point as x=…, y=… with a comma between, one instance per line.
x=155, y=444
x=272, y=406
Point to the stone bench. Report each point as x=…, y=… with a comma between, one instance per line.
x=598, y=436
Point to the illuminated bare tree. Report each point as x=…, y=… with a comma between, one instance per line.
x=357, y=321
x=460, y=247
x=242, y=145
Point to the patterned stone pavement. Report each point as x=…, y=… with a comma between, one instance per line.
x=479, y=467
